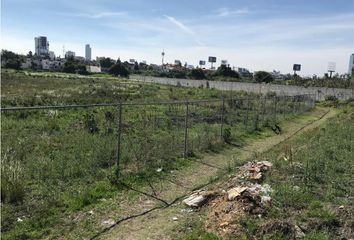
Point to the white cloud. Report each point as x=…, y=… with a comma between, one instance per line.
x=185, y=29
x=179, y=24
x=97, y=15
x=225, y=12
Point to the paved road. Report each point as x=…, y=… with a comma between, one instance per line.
x=319, y=92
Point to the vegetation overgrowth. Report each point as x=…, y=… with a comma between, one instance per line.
x=311, y=183
x=56, y=162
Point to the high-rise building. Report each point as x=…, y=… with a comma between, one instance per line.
x=351, y=64
x=87, y=52
x=41, y=46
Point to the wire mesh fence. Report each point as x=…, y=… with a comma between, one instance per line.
x=55, y=147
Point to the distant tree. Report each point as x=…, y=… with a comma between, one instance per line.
x=30, y=54
x=69, y=67
x=136, y=66
x=118, y=70
x=81, y=69
x=11, y=60
x=197, y=73
x=176, y=74
x=263, y=76
x=73, y=66
x=106, y=62
x=226, y=71
x=143, y=66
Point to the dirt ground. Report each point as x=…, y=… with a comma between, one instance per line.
x=161, y=222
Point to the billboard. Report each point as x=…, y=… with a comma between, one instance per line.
x=297, y=67
x=178, y=62
x=132, y=60
x=223, y=62
x=331, y=67
x=212, y=59
x=201, y=62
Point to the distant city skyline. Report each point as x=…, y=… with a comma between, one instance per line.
x=258, y=35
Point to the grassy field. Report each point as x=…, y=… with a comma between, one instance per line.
x=56, y=162
x=312, y=181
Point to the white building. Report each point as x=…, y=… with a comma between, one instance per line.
x=351, y=64
x=46, y=64
x=93, y=69
x=88, y=52
x=69, y=54
x=41, y=46
x=51, y=55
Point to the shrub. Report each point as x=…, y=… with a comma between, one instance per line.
x=226, y=71
x=227, y=135
x=197, y=74
x=12, y=184
x=263, y=76
x=90, y=123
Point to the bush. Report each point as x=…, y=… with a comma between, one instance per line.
x=90, y=123
x=197, y=74
x=227, y=135
x=226, y=71
x=12, y=184
x=118, y=70
x=263, y=76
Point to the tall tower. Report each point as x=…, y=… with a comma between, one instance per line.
x=87, y=52
x=351, y=64
x=163, y=56
x=41, y=46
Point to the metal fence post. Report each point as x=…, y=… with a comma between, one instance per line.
x=275, y=109
x=222, y=118
x=285, y=104
x=247, y=109
x=186, y=130
x=120, y=109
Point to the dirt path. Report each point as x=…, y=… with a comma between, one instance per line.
x=161, y=222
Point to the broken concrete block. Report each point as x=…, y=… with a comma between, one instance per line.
x=195, y=200
x=298, y=232
x=235, y=192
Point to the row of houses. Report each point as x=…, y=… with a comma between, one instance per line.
x=54, y=65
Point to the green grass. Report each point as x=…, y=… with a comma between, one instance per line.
x=58, y=162
x=320, y=178
x=310, y=186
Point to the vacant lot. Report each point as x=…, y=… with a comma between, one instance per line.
x=56, y=162
x=312, y=197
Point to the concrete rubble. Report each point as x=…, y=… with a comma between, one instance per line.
x=254, y=171
x=198, y=198
x=249, y=171
x=240, y=196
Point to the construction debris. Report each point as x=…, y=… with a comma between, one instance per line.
x=235, y=192
x=299, y=234
x=239, y=197
x=198, y=198
x=254, y=170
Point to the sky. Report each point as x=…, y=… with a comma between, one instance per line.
x=255, y=34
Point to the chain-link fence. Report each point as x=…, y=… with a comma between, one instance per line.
x=48, y=150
